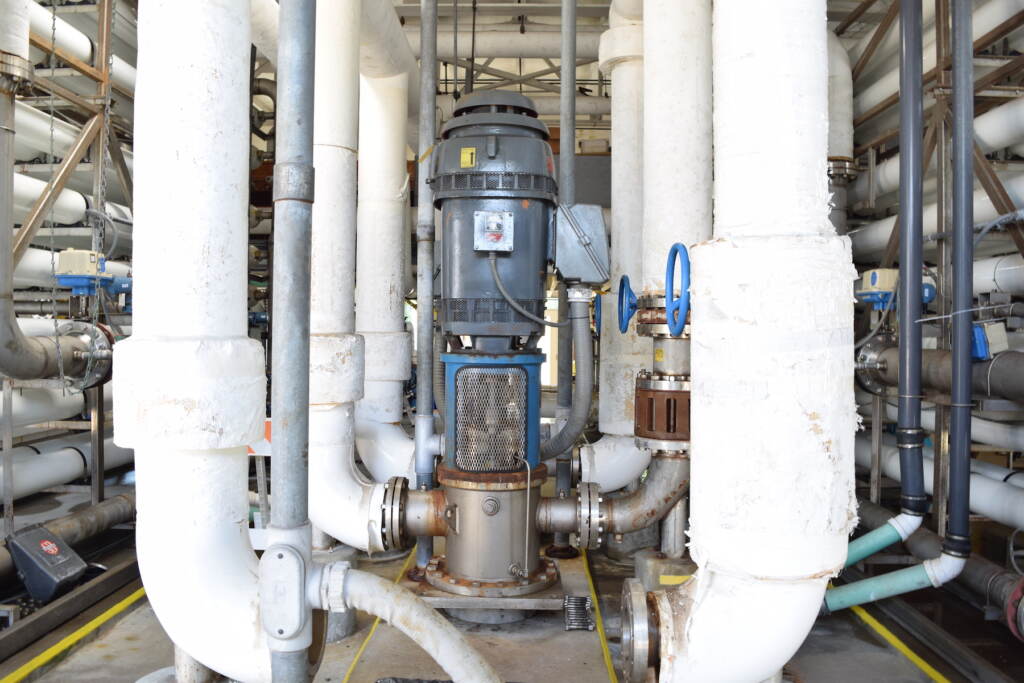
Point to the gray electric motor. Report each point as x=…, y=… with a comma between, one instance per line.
x=493, y=179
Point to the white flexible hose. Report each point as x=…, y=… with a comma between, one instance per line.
x=421, y=622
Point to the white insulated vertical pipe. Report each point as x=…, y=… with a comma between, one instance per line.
x=190, y=389
x=677, y=132
x=840, y=100
x=341, y=501
x=772, y=502
x=614, y=460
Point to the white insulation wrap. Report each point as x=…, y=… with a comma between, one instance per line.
x=760, y=127
x=677, y=131
x=14, y=28
x=772, y=502
x=190, y=389
x=840, y=100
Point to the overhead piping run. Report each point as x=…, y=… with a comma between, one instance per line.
x=73, y=350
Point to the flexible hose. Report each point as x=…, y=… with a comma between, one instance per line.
x=421, y=622
x=579, y=316
x=493, y=259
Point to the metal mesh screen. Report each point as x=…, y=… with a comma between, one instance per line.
x=490, y=419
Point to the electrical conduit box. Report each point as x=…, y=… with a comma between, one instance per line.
x=46, y=564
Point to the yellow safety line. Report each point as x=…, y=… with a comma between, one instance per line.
x=600, y=622
x=891, y=638
x=376, y=622
x=52, y=652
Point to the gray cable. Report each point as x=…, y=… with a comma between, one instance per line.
x=493, y=258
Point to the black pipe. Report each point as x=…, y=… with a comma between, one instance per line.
x=958, y=528
x=910, y=436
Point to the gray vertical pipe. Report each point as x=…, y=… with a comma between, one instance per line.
x=909, y=433
x=293, y=219
x=425, y=266
x=957, y=541
x=563, y=465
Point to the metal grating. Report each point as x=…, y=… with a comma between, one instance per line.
x=488, y=310
x=490, y=419
x=533, y=182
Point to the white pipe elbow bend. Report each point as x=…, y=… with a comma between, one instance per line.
x=385, y=448
x=613, y=461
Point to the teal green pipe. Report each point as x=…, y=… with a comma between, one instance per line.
x=877, y=588
x=871, y=542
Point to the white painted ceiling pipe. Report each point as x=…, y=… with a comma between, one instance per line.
x=870, y=240
x=887, y=53
x=772, y=501
x=986, y=18
x=342, y=502
x=999, y=274
x=78, y=45
x=677, y=132
x=191, y=388
x=508, y=43
x=997, y=128
x=59, y=461
x=546, y=105
x=840, y=100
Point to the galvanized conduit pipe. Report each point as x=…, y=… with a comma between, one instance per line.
x=426, y=442
x=958, y=530
x=579, y=316
x=293, y=218
x=994, y=584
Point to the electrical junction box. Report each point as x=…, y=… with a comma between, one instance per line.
x=878, y=280
x=493, y=231
x=80, y=262
x=46, y=564
x=998, y=341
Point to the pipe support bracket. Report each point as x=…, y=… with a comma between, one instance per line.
x=293, y=181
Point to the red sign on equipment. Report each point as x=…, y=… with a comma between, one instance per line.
x=49, y=547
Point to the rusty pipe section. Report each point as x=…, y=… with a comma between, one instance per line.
x=668, y=478
x=425, y=513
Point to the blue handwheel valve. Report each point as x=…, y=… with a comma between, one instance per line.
x=627, y=304
x=676, y=309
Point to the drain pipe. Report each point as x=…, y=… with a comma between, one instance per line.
x=773, y=502
x=342, y=502
x=427, y=442
x=24, y=357
x=913, y=501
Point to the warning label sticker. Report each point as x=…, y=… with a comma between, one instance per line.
x=49, y=547
x=467, y=157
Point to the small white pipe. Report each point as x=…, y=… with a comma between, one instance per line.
x=613, y=461
x=52, y=463
x=999, y=274
x=997, y=128
x=78, y=45
x=840, y=100
x=1002, y=502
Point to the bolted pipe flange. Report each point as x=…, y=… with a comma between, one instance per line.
x=14, y=72
x=591, y=518
x=393, y=513
x=870, y=364
x=636, y=632
x=99, y=357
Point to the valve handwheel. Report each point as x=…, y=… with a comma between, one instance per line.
x=627, y=303
x=676, y=309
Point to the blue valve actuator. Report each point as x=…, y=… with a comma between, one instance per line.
x=677, y=308
x=627, y=304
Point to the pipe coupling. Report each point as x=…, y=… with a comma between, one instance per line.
x=14, y=72
x=392, y=513
x=639, y=634
x=293, y=181
x=590, y=515
x=98, y=355
x=332, y=586
x=578, y=294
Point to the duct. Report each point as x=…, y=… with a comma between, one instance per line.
x=999, y=501
x=667, y=481
x=341, y=501
x=677, y=132
x=190, y=388
x=546, y=105
x=1000, y=274
x=996, y=129
x=492, y=42
x=870, y=240
x=987, y=17
x=59, y=461
x=1001, y=377
x=774, y=502
x=77, y=44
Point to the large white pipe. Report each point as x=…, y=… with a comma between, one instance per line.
x=996, y=500
x=78, y=45
x=342, y=502
x=14, y=31
x=997, y=128
x=840, y=100
x=988, y=432
x=36, y=267
x=191, y=388
x=32, y=405
x=546, y=105
x=886, y=53
x=32, y=134
x=999, y=274
x=871, y=239
x=492, y=42
x=992, y=471
x=52, y=463
x=68, y=209
x=677, y=131
x=772, y=502
x=987, y=17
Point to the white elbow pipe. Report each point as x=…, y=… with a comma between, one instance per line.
x=385, y=449
x=191, y=388
x=613, y=461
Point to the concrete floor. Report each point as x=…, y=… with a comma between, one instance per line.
x=840, y=648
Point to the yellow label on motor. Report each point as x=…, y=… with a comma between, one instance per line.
x=673, y=579
x=659, y=355
x=467, y=158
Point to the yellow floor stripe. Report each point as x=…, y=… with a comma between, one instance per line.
x=891, y=638
x=52, y=652
x=600, y=622
x=376, y=622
